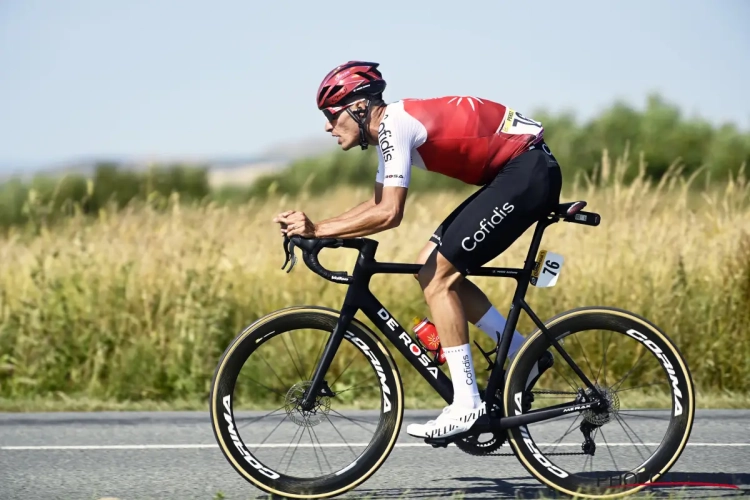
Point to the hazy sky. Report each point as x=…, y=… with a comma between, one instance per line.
x=224, y=78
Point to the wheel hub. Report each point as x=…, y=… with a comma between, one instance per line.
x=301, y=417
x=602, y=415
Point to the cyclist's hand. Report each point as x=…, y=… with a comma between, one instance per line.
x=295, y=223
x=279, y=219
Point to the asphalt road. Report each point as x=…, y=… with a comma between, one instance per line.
x=174, y=455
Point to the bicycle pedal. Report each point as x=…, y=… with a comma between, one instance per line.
x=439, y=444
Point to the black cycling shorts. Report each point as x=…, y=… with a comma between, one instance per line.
x=490, y=220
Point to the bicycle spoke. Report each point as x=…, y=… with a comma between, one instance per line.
x=356, y=387
x=633, y=431
x=637, y=387
x=567, y=432
x=355, y=421
x=310, y=433
x=301, y=363
x=554, y=419
x=627, y=413
x=255, y=419
x=571, y=384
x=585, y=461
x=583, y=351
x=301, y=433
x=342, y=437
x=591, y=464
x=609, y=450
x=283, y=341
x=343, y=371
x=272, y=370
x=617, y=384
x=272, y=431
x=604, y=362
x=282, y=394
x=631, y=439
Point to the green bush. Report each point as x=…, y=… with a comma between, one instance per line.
x=660, y=132
x=46, y=198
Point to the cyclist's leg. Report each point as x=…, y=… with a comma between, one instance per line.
x=527, y=189
x=439, y=280
x=522, y=192
x=475, y=303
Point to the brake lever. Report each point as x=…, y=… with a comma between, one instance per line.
x=289, y=252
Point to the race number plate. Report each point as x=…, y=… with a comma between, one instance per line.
x=547, y=269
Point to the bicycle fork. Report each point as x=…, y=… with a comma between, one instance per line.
x=318, y=383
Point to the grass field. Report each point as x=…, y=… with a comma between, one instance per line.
x=134, y=309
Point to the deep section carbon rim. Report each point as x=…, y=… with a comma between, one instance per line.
x=638, y=432
x=274, y=443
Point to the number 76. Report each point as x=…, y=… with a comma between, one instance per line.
x=549, y=265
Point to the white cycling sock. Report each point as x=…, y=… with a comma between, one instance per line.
x=493, y=323
x=461, y=366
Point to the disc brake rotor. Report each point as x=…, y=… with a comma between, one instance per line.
x=293, y=406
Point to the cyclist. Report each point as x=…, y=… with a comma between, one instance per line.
x=475, y=140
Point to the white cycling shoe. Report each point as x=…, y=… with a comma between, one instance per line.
x=453, y=420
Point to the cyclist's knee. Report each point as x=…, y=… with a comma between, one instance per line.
x=424, y=254
x=438, y=276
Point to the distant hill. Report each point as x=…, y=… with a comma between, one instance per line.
x=222, y=169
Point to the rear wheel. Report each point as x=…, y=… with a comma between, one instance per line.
x=638, y=434
x=276, y=445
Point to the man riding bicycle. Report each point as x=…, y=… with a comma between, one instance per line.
x=477, y=141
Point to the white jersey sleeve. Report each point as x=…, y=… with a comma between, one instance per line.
x=399, y=134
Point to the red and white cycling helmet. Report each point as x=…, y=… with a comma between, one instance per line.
x=347, y=84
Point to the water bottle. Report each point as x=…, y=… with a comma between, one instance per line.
x=427, y=336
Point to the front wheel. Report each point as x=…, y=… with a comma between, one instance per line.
x=639, y=431
x=286, y=450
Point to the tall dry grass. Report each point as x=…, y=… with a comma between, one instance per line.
x=139, y=305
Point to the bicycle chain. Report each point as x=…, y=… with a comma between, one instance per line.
x=568, y=453
x=498, y=454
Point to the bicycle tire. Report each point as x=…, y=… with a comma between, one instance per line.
x=235, y=450
x=643, y=331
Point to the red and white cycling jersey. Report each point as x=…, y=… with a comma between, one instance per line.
x=466, y=138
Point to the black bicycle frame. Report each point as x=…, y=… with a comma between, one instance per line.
x=359, y=297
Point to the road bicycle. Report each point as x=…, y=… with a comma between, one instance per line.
x=308, y=393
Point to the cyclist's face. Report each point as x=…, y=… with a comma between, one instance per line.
x=344, y=128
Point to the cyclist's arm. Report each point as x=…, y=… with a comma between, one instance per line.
x=382, y=215
x=389, y=198
x=365, y=205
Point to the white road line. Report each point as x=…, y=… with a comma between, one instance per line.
x=285, y=445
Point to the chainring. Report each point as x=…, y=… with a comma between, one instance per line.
x=473, y=446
